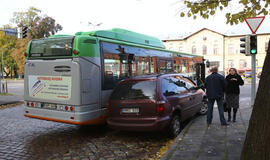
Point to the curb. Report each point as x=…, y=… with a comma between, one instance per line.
x=177, y=141
x=13, y=102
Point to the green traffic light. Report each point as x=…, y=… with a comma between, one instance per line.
x=253, y=51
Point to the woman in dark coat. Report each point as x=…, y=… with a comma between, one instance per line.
x=232, y=91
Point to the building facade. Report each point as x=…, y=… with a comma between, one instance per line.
x=221, y=50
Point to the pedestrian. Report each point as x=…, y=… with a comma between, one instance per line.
x=215, y=85
x=234, y=80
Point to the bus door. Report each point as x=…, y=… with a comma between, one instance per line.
x=200, y=73
x=127, y=65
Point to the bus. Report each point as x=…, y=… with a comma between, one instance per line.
x=69, y=78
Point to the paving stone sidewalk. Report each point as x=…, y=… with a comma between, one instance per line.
x=199, y=142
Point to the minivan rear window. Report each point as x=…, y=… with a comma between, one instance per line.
x=135, y=90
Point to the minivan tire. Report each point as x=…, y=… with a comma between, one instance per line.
x=204, y=108
x=175, y=126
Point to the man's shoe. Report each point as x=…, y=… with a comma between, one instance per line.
x=226, y=124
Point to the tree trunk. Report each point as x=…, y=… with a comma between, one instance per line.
x=257, y=142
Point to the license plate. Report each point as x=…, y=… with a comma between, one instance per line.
x=130, y=110
x=50, y=106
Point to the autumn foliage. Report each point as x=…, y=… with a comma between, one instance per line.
x=18, y=54
x=14, y=49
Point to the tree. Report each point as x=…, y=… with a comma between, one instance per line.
x=25, y=18
x=39, y=26
x=7, y=44
x=44, y=27
x=206, y=8
x=18, y=54
x=257, y=142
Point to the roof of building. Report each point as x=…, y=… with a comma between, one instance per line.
x=225, y=35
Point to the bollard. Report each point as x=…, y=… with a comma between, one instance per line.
x=4, y=86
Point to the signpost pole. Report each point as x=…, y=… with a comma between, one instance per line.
x=253, y=81
x=254, y=23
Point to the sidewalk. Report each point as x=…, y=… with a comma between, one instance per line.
x=198, y=142
x=10, y=99
x=16, y=93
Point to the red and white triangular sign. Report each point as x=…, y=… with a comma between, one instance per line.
x=254, y=23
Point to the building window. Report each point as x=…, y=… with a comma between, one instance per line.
x=204, y=49
x=180, y=49
x=193, y=49
x=242, y=63
x=266, y=46
x=230, y=49
x=214, y=63
x=215, y=49
x=230, y=63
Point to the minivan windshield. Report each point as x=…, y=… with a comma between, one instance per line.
x=135, y=90
x=50, y=47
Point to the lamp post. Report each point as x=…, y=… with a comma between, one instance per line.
x=94, y=25
x=3, y=83
x=2, y=68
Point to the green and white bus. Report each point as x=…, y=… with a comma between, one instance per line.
x=69, y=78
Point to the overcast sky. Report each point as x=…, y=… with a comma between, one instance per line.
x=153, y=17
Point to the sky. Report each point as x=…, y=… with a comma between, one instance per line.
x=159, y=18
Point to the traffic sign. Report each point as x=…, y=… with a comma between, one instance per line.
x=254, y=23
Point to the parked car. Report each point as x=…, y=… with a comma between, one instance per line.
x=155, y=102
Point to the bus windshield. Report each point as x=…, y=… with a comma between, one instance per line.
x=51, y=47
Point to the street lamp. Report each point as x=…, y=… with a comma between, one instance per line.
x=94, y=25
x=2, y=72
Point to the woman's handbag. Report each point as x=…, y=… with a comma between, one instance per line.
x=225, y=107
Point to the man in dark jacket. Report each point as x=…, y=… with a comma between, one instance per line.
x=215, y=88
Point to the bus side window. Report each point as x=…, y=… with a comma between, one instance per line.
x=115, y=67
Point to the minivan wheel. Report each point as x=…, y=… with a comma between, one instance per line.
x=175, y=126
x=204, y=108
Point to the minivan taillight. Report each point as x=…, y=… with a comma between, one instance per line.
x=160, y=106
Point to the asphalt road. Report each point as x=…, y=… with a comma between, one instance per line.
x=16, y=87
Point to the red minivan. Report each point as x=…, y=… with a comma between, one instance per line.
x=155, y=102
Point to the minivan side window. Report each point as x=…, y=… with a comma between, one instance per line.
x=183, y=81
x=170, y=87
x=167, y=87
x=189, y=84
x=181, y=84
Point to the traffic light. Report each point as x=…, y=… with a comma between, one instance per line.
x=24, y=32
x=245, y=47
x=253, y=44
